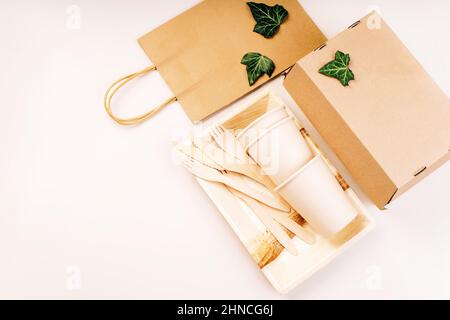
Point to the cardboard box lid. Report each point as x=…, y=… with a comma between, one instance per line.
x=199, y=52
x=391, y=125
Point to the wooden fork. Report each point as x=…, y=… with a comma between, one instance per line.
x=228, y=142
x=207, y=173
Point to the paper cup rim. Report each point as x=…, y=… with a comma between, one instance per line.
x=296, y=173
x=239, y=135
x=266, y=131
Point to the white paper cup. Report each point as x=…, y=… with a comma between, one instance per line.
x=260, y=124
x=280, y=150
x=316, y=195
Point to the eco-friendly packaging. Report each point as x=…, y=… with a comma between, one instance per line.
x=348, y=218
x=391, y=125
x=199, y=52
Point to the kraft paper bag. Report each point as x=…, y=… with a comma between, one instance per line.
x=199, y=53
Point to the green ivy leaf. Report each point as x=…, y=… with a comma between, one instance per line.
x=338, y=68
x=268, y=19
x=257, y=65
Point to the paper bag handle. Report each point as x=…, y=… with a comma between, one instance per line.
x=119, y=84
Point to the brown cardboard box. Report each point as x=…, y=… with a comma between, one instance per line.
x=199, y=52
x=391, y=126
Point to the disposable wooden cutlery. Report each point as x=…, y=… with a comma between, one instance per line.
x=292, y=226
x=229, y=163
x=207, y=173
x=272, y=226
x=228, y=142
x=279, y=218
x=212, y=156
x=231, y=145
x=192, y=151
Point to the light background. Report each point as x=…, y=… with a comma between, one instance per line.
x=90, y=209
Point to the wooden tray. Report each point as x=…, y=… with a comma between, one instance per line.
x=283, y=270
